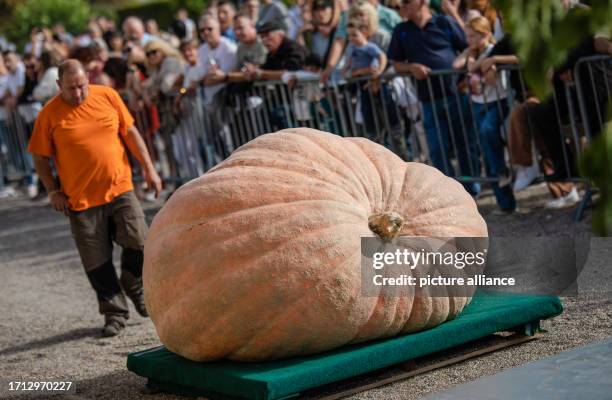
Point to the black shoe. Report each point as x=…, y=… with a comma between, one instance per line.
x=140, y=307
x=112, y=328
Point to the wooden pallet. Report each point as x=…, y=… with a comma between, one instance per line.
x=524, y=334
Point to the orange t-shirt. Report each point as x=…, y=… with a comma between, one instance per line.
x=85, y=141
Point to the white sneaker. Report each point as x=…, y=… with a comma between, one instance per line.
x=149, y=197
x=568, y=200
x=8, y=192
x=32, y=191
x=524, y=177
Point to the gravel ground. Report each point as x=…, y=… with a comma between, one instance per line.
x=49, y=328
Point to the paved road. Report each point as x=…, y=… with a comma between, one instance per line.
x=49, y=326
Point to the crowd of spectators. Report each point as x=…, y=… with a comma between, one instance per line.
x=230, y=44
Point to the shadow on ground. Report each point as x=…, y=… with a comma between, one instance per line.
x=73, y=335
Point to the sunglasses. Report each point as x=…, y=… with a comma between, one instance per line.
x=151, y=53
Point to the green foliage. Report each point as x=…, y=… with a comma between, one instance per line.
x=194, y=7
x=542, y=33
x=104, y=10
x=162, y=10
x=596, y=163
x=44, y=13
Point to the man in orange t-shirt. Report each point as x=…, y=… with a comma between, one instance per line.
x=86, y=129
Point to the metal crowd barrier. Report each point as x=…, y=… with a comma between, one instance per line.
x=15, y=162
x=436, y=121
x=592, y=77
x=392, y=115
x=593, y=83
x=395, y=112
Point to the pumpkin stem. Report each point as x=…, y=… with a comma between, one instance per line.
x=386, y=224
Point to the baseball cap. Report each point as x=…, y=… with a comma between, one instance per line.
x=272, y=25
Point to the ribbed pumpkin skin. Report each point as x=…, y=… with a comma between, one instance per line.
x=259, y=258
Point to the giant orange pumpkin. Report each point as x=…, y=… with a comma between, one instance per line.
x=259, y=258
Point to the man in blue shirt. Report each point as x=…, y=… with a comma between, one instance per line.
x=427, y=43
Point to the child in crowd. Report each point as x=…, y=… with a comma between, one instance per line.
x=364, y=58
x=490, y=108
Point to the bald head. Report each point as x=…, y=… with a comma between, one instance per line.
x=69, y=67
x=73, y=82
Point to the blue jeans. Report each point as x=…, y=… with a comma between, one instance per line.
x=442, y=120
x=489, y=118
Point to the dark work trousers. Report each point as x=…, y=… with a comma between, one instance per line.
x=94, y=230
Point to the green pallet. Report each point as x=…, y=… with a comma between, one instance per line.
x=486, y=314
